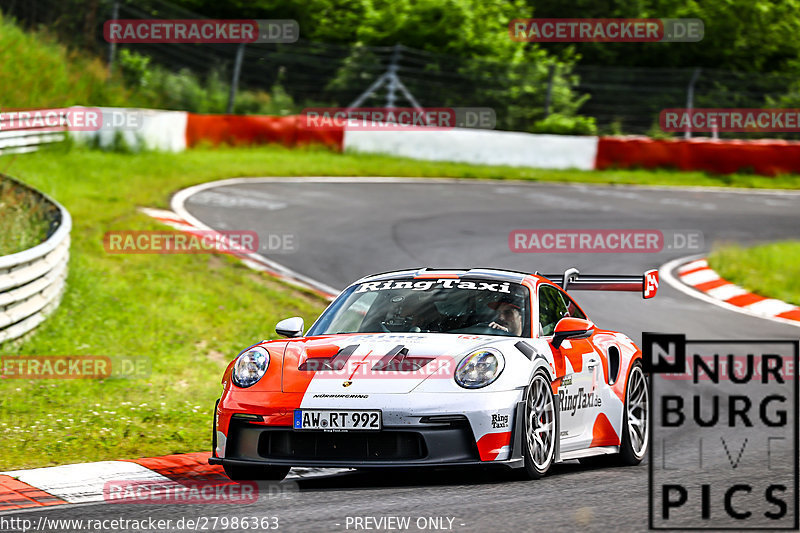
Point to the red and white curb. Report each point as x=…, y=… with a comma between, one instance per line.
x=85, y=483
x=701, y=277
x=252, y=260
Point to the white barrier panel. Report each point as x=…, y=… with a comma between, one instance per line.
x=26, y=137
x=139, y=128
x=483, y=147
x=32, y=281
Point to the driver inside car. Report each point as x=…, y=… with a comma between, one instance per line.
x=508, y=317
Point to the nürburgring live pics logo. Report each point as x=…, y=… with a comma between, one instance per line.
x=723, y=432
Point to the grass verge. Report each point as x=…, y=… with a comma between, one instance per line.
x=769, y=269
x=23, y=218
x=190, y=314
x=40, y=72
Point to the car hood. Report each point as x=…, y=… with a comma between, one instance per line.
x=375, y=363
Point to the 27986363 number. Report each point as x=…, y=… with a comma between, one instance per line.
x=256, y=523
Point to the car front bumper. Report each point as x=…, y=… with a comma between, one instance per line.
x=434, y=436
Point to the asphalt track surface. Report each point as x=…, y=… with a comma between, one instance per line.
x=344, y=230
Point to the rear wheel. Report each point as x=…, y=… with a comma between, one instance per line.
x=540, y=427
x=635, y=437
x=256, y=473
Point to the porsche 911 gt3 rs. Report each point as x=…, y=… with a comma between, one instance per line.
x=439, y=367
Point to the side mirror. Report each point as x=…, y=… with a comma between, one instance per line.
x=290, y=327
x=571, y=328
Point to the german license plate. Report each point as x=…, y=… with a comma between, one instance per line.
x=337, y=420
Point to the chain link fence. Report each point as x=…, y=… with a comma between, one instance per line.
x=312, y=74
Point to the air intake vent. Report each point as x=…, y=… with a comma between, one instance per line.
x=613, y=364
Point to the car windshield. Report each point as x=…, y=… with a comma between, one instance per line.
x=471, y=306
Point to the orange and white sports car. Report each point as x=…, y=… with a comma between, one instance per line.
x=439, y=367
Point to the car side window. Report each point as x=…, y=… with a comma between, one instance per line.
x=551, y=309
x=572, y=308
x=351, y=320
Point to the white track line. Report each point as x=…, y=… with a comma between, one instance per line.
x=177, y=204
x=179, y=199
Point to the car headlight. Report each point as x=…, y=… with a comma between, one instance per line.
x=480, y=368
x=250, y=366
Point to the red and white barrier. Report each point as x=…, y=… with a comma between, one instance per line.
x=768, y=157
x=482, y=147
x=151, y=129
x=258, y=129
x=178, y=130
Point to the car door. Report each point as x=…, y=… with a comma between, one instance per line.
x=578, y=362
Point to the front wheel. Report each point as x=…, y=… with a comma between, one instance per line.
x=540, y=427
x=256, y=473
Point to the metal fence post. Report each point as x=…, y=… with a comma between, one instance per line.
x=690, y=100
x=549, y=95
x=237, y=69
x=112, y=46
x=391, y=97
x=392, y=82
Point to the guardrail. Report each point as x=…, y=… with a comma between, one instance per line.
x=32, y=281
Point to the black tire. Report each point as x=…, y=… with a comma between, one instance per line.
x=256, y=473
x=539, y=401
x=632, y=452
x=628, y=454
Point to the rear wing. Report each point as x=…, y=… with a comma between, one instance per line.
x=646, y=283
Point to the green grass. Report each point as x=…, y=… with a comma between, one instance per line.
x=38, y=72
x=23, y=218
x=190, y=314
x=769, y=269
